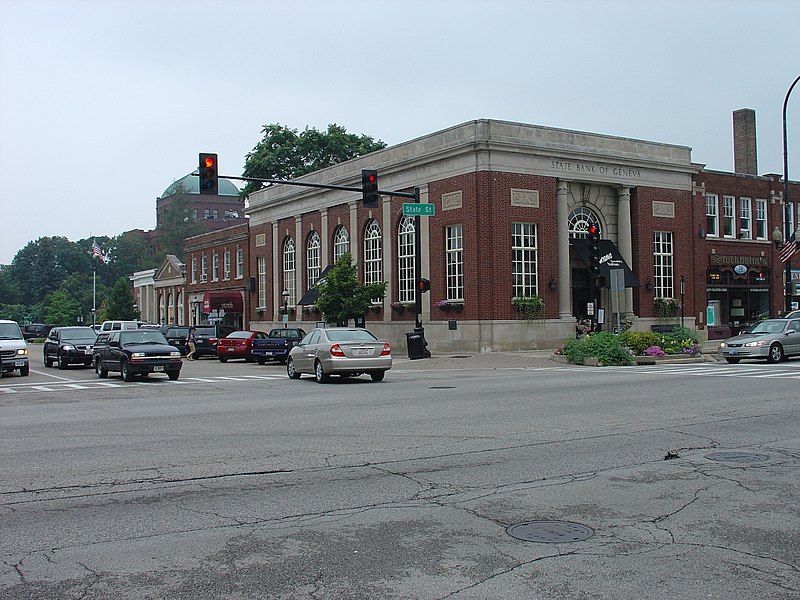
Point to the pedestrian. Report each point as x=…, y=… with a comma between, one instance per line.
x=190, y=341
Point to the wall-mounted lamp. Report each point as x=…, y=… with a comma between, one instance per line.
x=777, y=237
x=702, y=232
x=552, y=284
x=648, y=286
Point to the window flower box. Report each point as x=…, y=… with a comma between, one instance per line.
x=450, y=305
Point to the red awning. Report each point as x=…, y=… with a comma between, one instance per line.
x=228, y=301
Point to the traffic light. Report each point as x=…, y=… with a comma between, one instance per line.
x=594, y=252
x=209, y=182
x=424, y=285
x=369, y=188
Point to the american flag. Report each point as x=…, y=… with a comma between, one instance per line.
x=97, y=251
x=789, y=249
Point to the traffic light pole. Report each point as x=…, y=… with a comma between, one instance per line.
x=418, y=269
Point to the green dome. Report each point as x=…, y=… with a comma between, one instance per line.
x=191, y=183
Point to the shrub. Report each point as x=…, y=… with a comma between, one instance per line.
x=638, y=341
x=603, y=346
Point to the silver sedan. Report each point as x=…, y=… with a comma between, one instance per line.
x=343, y=351
x=773, y=339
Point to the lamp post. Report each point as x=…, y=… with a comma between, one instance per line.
x=285, y=296
x=683, y=293
x=787, y=207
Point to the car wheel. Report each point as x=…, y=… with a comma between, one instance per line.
x=775, y=354
x=262, y=361
x=319, y=373
x=173, y=375
x=223, y=359
x=733, y=361
x=290, y=370
x=125, y=369
x=377, y=375
x=101, y=371
x=62, y=363
x=47, y=361
x=24, y=371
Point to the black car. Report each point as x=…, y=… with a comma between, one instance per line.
x=178, y=337
x=206, y=337
x=36, y=330
x=69, y=345
x=136, y=352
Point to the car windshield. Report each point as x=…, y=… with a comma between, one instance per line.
x=205, y=331
x=350, y=335
x=240, y=335
x=10, y=331
x=178, y=332
x=769, y=327
x=82, y=333
x=141, y=337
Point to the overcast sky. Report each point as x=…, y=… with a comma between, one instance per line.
x=104, y=103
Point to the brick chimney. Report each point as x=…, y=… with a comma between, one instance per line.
x=744, y=142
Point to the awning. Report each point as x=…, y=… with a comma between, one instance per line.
x=229, y=301
x=610, y=258
x=311, y=296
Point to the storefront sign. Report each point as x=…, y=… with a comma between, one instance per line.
x=746, y=261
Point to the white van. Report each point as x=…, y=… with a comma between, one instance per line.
x=13, y=349
x=119, y=326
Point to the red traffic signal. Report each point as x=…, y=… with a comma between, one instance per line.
x=369, y=188
x=594, y=250
x=424, y=285
x=209, y=174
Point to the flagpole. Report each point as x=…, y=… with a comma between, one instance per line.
x=787, y=206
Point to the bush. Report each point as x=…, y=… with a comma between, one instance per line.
x=603, y=346
x=638, y=341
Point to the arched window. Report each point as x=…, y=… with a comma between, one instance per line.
x=372, y=253
x=579, y=221
x=341, y=242
x=289, y=269
x=405, y=260
x=312, y=259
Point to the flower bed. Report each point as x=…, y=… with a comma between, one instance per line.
x=629, y=347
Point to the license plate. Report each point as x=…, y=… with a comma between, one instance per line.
x=362, y=351
x=733, y=351
x=231, y=349
x=87, y=351
x=158, y=368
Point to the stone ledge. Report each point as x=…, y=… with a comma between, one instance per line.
x=644, y=360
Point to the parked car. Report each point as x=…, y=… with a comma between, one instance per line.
x=238, y=344
x=13, y=349
x=36, y=330
x=135, y=352
x=178, y=337
x=773, y=339
x=69, y=345
x=343, y=351
x=207, y=336
x=120, y=325
x=277, y=344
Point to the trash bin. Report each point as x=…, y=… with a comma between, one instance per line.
x=416, y=345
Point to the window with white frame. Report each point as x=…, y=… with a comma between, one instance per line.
x=289, y=270
x=261, y=265
x=728, y=216
x=745, y=221
x=194, y=269
x=203, y=269
x=215, y=267
x=712, y=215
x=405, y=260
x=372, y=253
x=226, y=265
x=524, y=259
x=341, y=243
x=761, y=218
x=239, y=263
x=454, y=259
x=578, y=222
x=663, y=277
x=312, y=259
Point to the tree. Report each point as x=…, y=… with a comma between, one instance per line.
x=284, y=153
x=61, y=309
x=120, y=301
x=175, y=225
x=342, y=296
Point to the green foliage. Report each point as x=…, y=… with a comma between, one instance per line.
x=530, y=307
x=342, y=296
x=638, y=341
x=666, y=307
x=61, y=309
x=175, y=224
x=120, y=301
x=603, y=346
x=284, y=153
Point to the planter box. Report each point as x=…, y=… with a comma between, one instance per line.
x=668, y=359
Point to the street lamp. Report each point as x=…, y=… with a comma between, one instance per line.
x=787, y=207
x=285, y=296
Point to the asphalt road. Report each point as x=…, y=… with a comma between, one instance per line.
x=235, y=482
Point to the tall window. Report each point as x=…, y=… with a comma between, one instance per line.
x=372, y=253
x=261, y=263
x=312, y=259
x=662, y=265
x=405, y=260
x=745, y=224
x=728, y=216
x=761, y=218
x=579, y=220
x=341, y=243
x=239, y=263
x=215, y=267
x=523, y=260
x=454, y=258
x=712, y=215
x=194, y=269
x=289, y=270
x=226, y=265
x=203, y=269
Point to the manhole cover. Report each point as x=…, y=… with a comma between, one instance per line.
x=550, y=532
x=737, y=457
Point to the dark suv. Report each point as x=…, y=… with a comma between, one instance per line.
x=178, y=337
x=68, y=345
x=135, y=352
x=36, y=330
x=206, y=336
